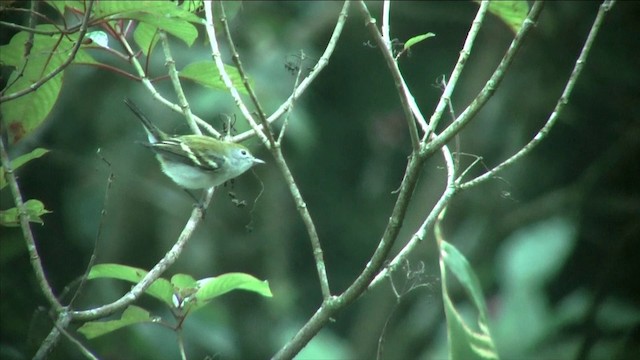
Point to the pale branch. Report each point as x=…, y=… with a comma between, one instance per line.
x=420, y=235
x=387, y=54
x=170, y=257
x=557, y=111
x=323, y=61
x=262, y=117
x=385, y=31
x=149, y=85
x=489, y=88
x=276, y=151
x=23, y=217
x=445, y=98
x=177, y=86
x=226, y=79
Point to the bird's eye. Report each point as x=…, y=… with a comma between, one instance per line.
x=243, y=152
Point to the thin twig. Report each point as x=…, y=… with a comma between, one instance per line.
x=262, y=117
x=323, y=61
x=103, y=215
x=445, y=98
x=52, y=338
x=276, y=151
x=149, y=85
x=33, y=30
x=83, y=349
x=489, y=88
x=562, y=102
x=290, y=109
x=170, y=257
x=226, y=79
x=34, y=257
x=420, y=235
x=387, y=54
x=177, y=87
x=360, y=285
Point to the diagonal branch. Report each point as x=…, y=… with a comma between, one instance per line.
x=445, y=98
x=170, y=257
x=403, y=91
x=562, y=102
x=489, y=88
x=34, y=257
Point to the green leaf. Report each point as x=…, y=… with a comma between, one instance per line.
x=132, y=315
x=151, y=16
x=145, y=33
x=58, y=5
x=205, y=73
x=19, y=161
x=34, y=209
x=210, y=288
x=160, y=289
x=512, y=13
x=160, y=9
x=24, y=114
x=416, y=39
x=466, y=340
x=182, y=281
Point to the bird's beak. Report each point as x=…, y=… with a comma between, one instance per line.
x=258, y=161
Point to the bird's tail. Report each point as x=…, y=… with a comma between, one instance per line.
x=153, y=132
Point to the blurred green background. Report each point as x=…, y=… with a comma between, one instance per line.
x=554, y=240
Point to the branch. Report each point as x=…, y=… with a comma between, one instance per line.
x=177, y=87
x=217, y=58
x=445, y=98
x=149, y=85
x=489, y=88
x=170, y=257
x=276, y=150
x=562, y=102
x=403, y=91
x=34, y=257
x=54, y=335
x=245, y=79
x=420, y=235
x=323, y=61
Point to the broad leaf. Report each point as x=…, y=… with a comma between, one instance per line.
x=34, y=209
x=467, y=341
x=206, y=73
x=416, y=39
x=512, y=13
x=132, y=315
x=160, y=289
x=210, y=288
x=24, y=114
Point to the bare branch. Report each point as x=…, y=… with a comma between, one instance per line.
x=445, y=98
x=487, y=91
x=170, y=257
x=323, y=61
x=403, y=91
x=34, y=257
x=562, y=101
